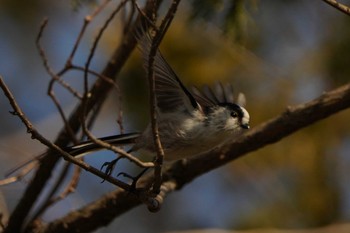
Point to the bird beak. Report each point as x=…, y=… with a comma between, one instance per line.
x=245, y=126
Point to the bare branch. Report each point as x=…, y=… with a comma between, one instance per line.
x=93, y=49
x=339, y=6
x=24, y=170
x=153, y=100
x=55, y=78
x=87, y=20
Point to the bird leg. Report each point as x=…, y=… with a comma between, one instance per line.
x=110, y=166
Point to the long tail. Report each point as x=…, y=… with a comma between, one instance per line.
x=83, y=149
x=87, y=147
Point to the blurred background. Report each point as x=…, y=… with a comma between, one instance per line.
x=279, y=53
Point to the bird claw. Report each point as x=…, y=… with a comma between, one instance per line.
x=109, y=167
x=134, y=179
x=125, y=175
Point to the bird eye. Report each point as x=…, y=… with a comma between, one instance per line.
x=234, y=114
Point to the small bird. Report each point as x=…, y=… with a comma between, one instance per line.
x=189, y=122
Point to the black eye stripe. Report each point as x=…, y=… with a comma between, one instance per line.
x=234, y=108
x=234, y=114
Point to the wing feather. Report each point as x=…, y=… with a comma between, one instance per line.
x=171, y=94
x=221, y=93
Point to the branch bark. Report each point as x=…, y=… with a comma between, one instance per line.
x=103, y=211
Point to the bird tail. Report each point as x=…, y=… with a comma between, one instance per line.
x=87, y=147
x=81, y=149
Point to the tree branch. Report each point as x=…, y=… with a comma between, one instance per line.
x=293, y=119
x=153, y=100
x=339, y=6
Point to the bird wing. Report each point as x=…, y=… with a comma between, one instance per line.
x=171, y=94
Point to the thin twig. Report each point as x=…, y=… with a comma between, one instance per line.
x=87, y=96
x=23, y=172
x=55, y=78
x=87, y=20
x=17, y=111
x=154, y=123
x=145, y=16
x=95, y=44
x=341, y=7
x=100, y=76
x=153, y=100
x=119, y=151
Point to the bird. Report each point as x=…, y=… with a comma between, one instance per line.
x=190, y=121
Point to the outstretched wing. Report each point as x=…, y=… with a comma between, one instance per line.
x=171, y=94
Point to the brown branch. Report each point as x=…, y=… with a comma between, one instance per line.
x=339, y=6
x=116, y=203
x=154, y=124
x=87, y=20
x=92, y=52
x=153, y=100
x=55, y=78
x=24, y=170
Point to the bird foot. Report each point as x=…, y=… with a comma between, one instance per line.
x=109, y=167
x=134, y=179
